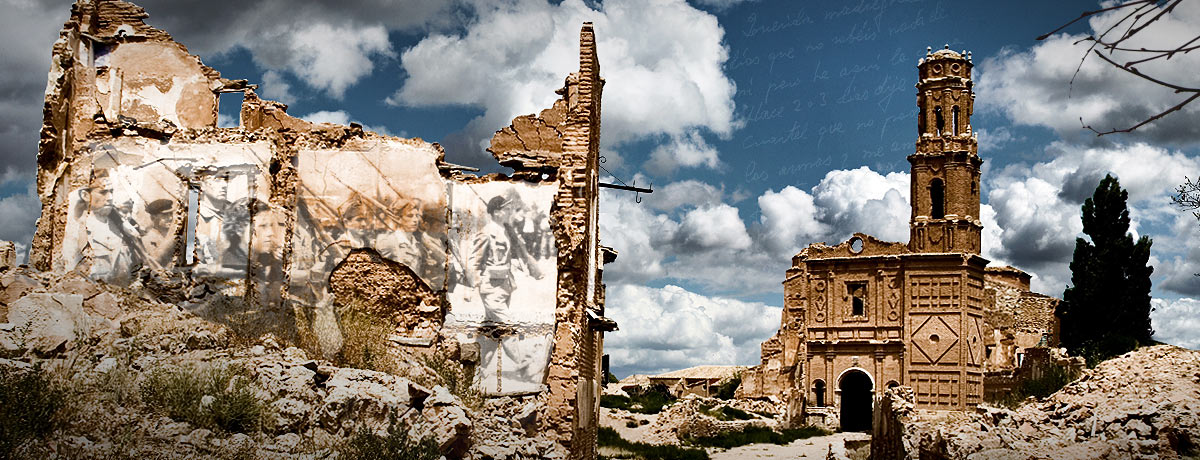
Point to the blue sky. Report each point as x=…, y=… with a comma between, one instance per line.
x=763, y=125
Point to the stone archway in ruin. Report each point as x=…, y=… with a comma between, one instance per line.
x=855, y=388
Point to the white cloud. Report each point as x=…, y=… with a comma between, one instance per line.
x=1176, y=321
x=337, y=117
x=327, y=46
x=689, y=150
x=993, y=236
x=1179, y=256
x=662, y=61
x=991, y=140
x=1034, y=87
x=332, y=58
x=275, y=87
x=722, y=4
x=790, y=220
x=713, y=228
x=669, y=328
x=640, y=236
x=683, y=193
x=705, y=241
x=27, y=31
x=1038, y=206
x=226, y=121
x=862, y=200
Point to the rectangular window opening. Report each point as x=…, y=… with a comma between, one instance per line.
x=229, y=110
x=858, y=298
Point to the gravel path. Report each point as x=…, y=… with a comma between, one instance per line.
x=811, y=448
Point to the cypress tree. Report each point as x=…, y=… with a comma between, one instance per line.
x=1106, y=311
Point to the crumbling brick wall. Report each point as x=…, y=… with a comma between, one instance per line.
x=139, y=187
x=1015, y=318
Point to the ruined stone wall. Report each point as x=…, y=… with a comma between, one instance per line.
x=1015, y=318
x=310, y=224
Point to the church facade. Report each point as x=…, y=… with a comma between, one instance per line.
x=866, y=314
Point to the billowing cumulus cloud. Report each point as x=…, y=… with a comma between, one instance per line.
x=662, y=61
x=1038, y=208
x=713, y=227
x=1176, y=321
x=1034, y=86
x=706, y=241
x=789, y=220
x=689, y=150
x=691, y=193
x=862, y=200
x=669, y=328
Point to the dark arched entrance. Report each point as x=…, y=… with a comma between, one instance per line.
x=855, y=389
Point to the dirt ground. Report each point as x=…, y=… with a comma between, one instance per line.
x=811, y=448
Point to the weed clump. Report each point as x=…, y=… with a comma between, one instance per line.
x=618, y=447
x=647, y=400
x=30, y=403
x=756, y=435
x=398, y=444
x=213, y=397
x=725, y=413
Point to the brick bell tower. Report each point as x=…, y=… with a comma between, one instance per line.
x=945, y=166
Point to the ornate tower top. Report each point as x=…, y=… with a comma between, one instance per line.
x=945, y=165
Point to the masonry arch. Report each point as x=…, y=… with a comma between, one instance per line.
x=937, y=199
x=856, y=394
x=819, y=393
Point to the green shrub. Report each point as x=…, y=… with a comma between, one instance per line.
x=725, y=413
x=729, y=386
x=457, y=378
x=756, y=435
x=397, y=445
x=647, y=400
x=631, y=424
x=608, y=437
x=30, y=403
x=180, y=394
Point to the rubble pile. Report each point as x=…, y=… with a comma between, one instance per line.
x=685, y=418
x=1143, y=404
x=100, y=343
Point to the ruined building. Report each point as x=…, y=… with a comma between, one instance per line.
x=307, y=224
x=866, y=314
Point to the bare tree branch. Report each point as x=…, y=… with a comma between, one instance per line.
x=1143, y=14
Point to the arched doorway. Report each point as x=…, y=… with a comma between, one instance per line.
x=855, y=388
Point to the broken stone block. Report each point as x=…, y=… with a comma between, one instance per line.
x=46, y=323
x=104, y=304
x=8, y=255
x=14, y=285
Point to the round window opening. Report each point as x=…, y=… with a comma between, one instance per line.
x=937, y=68
x=934, y=338
x=856, y=245
x=954, y=68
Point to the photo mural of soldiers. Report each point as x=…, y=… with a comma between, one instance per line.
x=499, y=250
x=112, y=235
x=160, y=237
x=501, y=256
x=512, y=362
x=223, y=233
x=503, y=288
x=408, y=243
x=363, y=199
